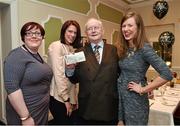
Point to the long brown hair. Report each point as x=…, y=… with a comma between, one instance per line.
x=138, y=41
x=76, y=43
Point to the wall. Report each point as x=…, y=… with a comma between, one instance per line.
x=1, y=108
x=33, y=10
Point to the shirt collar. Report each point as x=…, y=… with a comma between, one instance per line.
x=101, y=44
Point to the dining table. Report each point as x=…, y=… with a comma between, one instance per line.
x=162, y=107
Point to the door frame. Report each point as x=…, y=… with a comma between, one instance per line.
x=8, y=41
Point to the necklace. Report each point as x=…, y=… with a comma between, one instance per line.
x=130, y=52
x=36, y=56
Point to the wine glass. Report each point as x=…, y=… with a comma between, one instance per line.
x=162, y=90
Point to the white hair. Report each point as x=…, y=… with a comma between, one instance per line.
x=93, y=19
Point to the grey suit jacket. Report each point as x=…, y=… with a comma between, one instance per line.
x=98, y=98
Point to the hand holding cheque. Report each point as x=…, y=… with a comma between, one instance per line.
x=75, y=58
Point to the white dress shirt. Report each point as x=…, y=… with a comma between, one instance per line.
x=101, y=44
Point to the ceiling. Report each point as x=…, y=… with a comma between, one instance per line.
x=128, y=4
x=134, y=1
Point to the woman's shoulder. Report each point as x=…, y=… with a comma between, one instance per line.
x=147, y=46
x=55, y=46
x=15, y=51
x=16, y=54
x=147, y=49
x=55, y=43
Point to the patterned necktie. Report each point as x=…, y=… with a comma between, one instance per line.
x=96, y=52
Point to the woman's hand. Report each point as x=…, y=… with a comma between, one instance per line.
x=120, y=123
x=69, y=69
x=68, y=108
x=132, y=86
x=71, y=66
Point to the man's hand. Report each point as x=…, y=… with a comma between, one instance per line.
x=71, y=66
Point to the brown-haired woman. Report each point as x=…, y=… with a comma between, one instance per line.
x=136, y=55
x=63, y=98
x=27, y=80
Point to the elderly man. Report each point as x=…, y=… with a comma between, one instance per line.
x=97, y=77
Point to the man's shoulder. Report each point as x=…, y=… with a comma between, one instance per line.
x=110, y=45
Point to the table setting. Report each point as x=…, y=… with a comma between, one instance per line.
x=164, y=104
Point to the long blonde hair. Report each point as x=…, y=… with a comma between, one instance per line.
x=140, y=38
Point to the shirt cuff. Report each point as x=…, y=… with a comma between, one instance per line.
x=69, y=72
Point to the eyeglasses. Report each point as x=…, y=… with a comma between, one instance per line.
x=95, y=28
x=30, y=34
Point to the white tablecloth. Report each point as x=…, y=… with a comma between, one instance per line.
x=163, y=107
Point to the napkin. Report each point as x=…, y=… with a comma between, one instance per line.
x=151, y=102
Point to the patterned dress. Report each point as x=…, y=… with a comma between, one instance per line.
x=134, y=108
x=23, y=71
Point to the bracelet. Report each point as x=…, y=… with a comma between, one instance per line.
x=25, y=118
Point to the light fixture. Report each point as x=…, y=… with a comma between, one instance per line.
x=168, y=63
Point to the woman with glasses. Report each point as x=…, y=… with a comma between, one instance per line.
x=27, y=80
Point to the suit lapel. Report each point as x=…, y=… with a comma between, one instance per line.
x=93, y=65
x=105, y=55
x=91, y=57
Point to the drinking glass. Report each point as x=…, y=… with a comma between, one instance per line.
x=162, y=89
